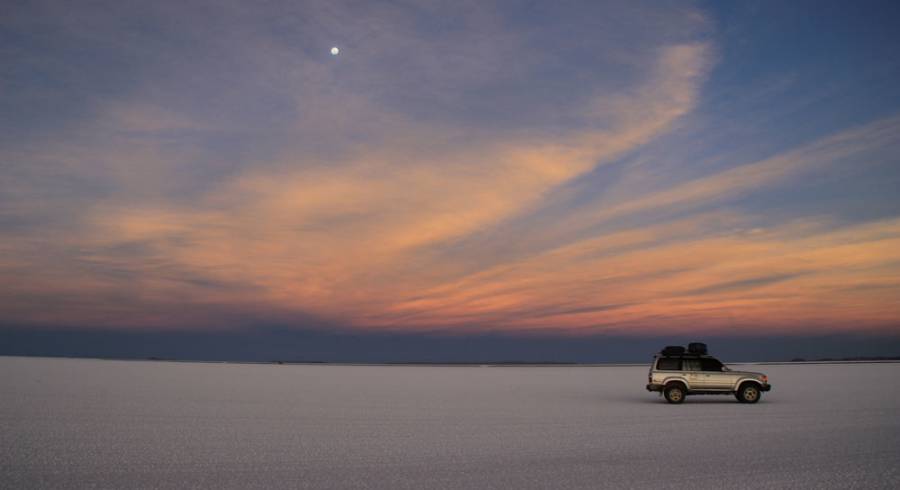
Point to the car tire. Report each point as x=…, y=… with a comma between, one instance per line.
x=675, y=393
x=749, y=393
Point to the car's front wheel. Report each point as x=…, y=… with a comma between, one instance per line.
x=674, y=393
x=749, y=393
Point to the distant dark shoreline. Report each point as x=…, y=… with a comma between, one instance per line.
x=329, y=346
x=848, y=360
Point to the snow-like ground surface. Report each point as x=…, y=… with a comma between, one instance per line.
x=119, y=424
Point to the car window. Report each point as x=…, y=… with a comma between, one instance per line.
x=711, y=365
x=668, y=364
x=691, y=365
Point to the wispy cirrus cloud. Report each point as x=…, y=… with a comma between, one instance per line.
x=683, y=276
x=327, y=237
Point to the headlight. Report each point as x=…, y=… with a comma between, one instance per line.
x=764, y=378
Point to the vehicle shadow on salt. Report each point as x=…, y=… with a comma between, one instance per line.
x=696, y=400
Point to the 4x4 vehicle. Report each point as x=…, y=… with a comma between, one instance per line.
x=677, y=372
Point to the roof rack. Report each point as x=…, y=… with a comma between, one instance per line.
x=693, y=348
x=684, y=354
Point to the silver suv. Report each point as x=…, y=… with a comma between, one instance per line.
x=677, y=372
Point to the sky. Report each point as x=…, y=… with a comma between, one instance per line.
x=571, y=170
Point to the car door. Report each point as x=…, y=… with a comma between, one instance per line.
x=693, y=374
x=714, y=378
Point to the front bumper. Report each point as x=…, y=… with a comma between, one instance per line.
x=766, y=387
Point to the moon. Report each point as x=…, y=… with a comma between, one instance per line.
x=335, y=51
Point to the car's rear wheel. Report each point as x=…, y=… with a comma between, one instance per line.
x=674, y=393
x=749, y=393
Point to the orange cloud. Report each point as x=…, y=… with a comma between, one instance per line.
x=666, y=277
x=344, y=239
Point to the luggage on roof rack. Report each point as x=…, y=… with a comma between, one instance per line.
x=698, y=348
x=672, y=350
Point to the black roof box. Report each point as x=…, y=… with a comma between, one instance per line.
x=672, y=350
x=698, y=348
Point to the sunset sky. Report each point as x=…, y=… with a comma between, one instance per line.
x=573, y=168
